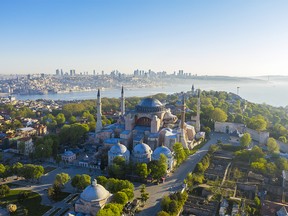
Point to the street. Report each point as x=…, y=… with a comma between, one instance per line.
x=175, y=181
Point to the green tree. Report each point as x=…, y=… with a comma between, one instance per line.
x=115, y=208
x=165, y=202
x=245, y=140
x=257, y=123
x=282, y=164
x=129, y=193
x=62, y=179
x=80, y=181
x=17, y=168
x=163, y=213
x=272, y=146
x=157, y=168
x=283, y=139
x=173, y=207
x=2, y=170
x=117, y=169
x=4, y=190
x=258, y=167
x=120, y=197
x=141, y=170
x=144, y=195
x=60, y=118
x=218, y=115
x=102, y=180
x=179, y=152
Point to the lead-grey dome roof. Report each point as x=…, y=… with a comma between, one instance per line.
x=142, y=148
x=94, y=192
x=149, y=105
x=118, y=149
x=162, y=150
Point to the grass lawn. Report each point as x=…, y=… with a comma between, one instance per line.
x=32, y=203
x=48, y=169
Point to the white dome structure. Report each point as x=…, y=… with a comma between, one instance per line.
x=167, y=153
x=141, y=153
x=92, y=199
x=118, y=150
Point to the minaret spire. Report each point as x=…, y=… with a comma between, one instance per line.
x=183, y=107
x=99, y=113
x=182, y=132
x=197, y=125
x=122, y=105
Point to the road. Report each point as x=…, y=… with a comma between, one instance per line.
x=175, y=181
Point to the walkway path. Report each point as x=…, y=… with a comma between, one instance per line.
x=175, y=181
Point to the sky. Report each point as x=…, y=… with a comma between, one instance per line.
x=203, y=37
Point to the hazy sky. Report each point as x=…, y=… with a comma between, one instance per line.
x=204, y=37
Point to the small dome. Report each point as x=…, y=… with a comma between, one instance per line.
x=94, y=192
x=142, y=148
x=162, y=150
x=149, y=105
x=68, y=153
x=118, y=149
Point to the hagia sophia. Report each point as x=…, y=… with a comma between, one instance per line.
x=147, y=131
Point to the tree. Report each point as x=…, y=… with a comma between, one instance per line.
x=2, y=170
x=283, y=139
x=257, y=123
x=218, y=115
x=180, y=154
x=258, y=167
x=173, y=207
x=163, y=213
x=144, y=195
x=141, y=170
x=129, y=193
x=165, y=202
x=80, y=181
x=102, y=180
x=17, y=168
x=120, y=197
x=60, y=118
x=157, y=168
x=271, y=169
x=4, y=190
x=117, y=169
x=113, y=208
x=245, y=140
x=272, y=146
x=282, y=164
x=43, y=151
x=62, y=179
x=114, y=185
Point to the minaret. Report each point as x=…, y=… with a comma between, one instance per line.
x=182, y=137
x=99, y=113
x=122, y=105
x=183, y=107
x=197, y=125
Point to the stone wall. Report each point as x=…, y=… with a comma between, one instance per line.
x=230, y=127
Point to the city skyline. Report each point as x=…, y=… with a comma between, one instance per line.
x=239, y=38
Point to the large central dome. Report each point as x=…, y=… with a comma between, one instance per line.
x=149, y=105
